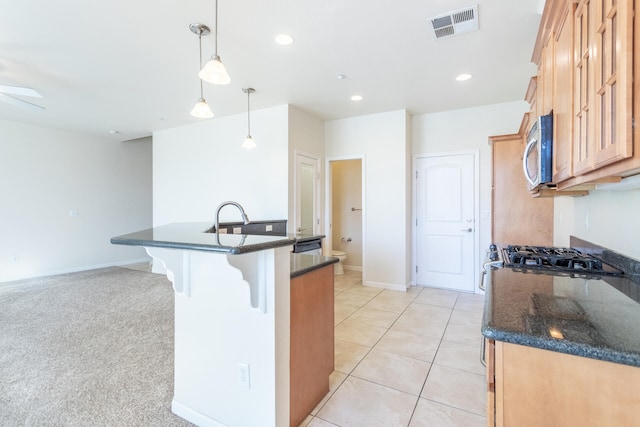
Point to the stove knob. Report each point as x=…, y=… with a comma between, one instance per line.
x=493, y=247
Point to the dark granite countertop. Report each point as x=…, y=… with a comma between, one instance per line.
x=595, y=318
x=305, y=263
x=193, y=236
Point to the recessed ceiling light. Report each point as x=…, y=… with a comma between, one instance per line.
x=284, y=39
x=356, y=98
x=463, y=77
x=341, y=77
x=114, y=132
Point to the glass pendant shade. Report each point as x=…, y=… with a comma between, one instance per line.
x=215, y=72
x=249, y=143
x=201, y=110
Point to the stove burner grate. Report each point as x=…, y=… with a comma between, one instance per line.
x=555, y=259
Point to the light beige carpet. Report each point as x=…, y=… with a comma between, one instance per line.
x=93, y=348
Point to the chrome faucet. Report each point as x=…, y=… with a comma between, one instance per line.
x=245, y=218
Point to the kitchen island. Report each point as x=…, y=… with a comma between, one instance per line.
x=232, y=321
x=561, y=350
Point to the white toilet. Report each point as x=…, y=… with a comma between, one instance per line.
x=337, y=269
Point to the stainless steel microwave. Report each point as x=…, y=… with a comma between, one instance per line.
x=537, y=161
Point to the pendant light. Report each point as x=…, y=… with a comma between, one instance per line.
x=201, y=110
x=249, y=143
x=214, y=71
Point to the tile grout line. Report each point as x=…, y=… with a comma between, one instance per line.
x=348, y=375
x=363, y=306
x=435, y=354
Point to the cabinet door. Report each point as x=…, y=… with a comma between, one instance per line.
x=517, y=217
x=613, y=73
x=563, y=99
x=544, y=90
x=490, y=358
x=547, y=66
x=603, y=79
x=537, y=387
x=582, y=89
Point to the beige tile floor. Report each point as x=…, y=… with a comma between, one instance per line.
x=404, y=359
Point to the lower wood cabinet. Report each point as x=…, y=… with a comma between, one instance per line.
x=312, y=351
x=533, y=387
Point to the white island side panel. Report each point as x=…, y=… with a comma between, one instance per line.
x=230, y=310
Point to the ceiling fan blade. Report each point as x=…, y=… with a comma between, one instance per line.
x=20, y=90
x=20, y=102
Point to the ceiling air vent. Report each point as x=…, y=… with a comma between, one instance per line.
x=456, y=22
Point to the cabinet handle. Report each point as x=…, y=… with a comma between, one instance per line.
x=482, y=349
x=527, y=149
x=468, y=230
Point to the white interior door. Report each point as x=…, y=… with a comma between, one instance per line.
x=307, y=187
x=445, y=222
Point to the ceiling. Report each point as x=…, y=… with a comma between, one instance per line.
x=131, y=66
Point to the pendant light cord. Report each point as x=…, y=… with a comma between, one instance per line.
x=215, y=42
x=248, y=112
x=200, y=45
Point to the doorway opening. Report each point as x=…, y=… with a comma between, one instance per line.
x=345, y=211
x=307, y=194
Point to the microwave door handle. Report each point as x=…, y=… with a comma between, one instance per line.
x=527, y=150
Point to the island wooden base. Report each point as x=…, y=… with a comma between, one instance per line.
x=312, y=355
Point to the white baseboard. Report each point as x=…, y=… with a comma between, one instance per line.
x=77, y=269
x=193, y=416
x=352, y=267
x=392, y=286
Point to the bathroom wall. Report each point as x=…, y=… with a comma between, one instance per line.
x=346, y=193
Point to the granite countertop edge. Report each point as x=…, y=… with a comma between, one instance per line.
x=608, y=354
x=193, y=236
x=222, y=249
x=621, y=355
x=561, y=346
x=314, y=262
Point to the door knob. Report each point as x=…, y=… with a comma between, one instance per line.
x=468, y=230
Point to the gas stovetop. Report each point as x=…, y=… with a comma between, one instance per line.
x=563, y=260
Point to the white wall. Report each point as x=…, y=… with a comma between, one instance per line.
x=46, y=173
x=469, y=129
x=199, y=166
x=383, y=140
x=306, y=135
x=606, y=218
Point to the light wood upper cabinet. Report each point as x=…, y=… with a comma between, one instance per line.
x=613, y=64
x=547, y=67
x=563, y=99
x=586, y=49
x=582, y=89
x=604, y=77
